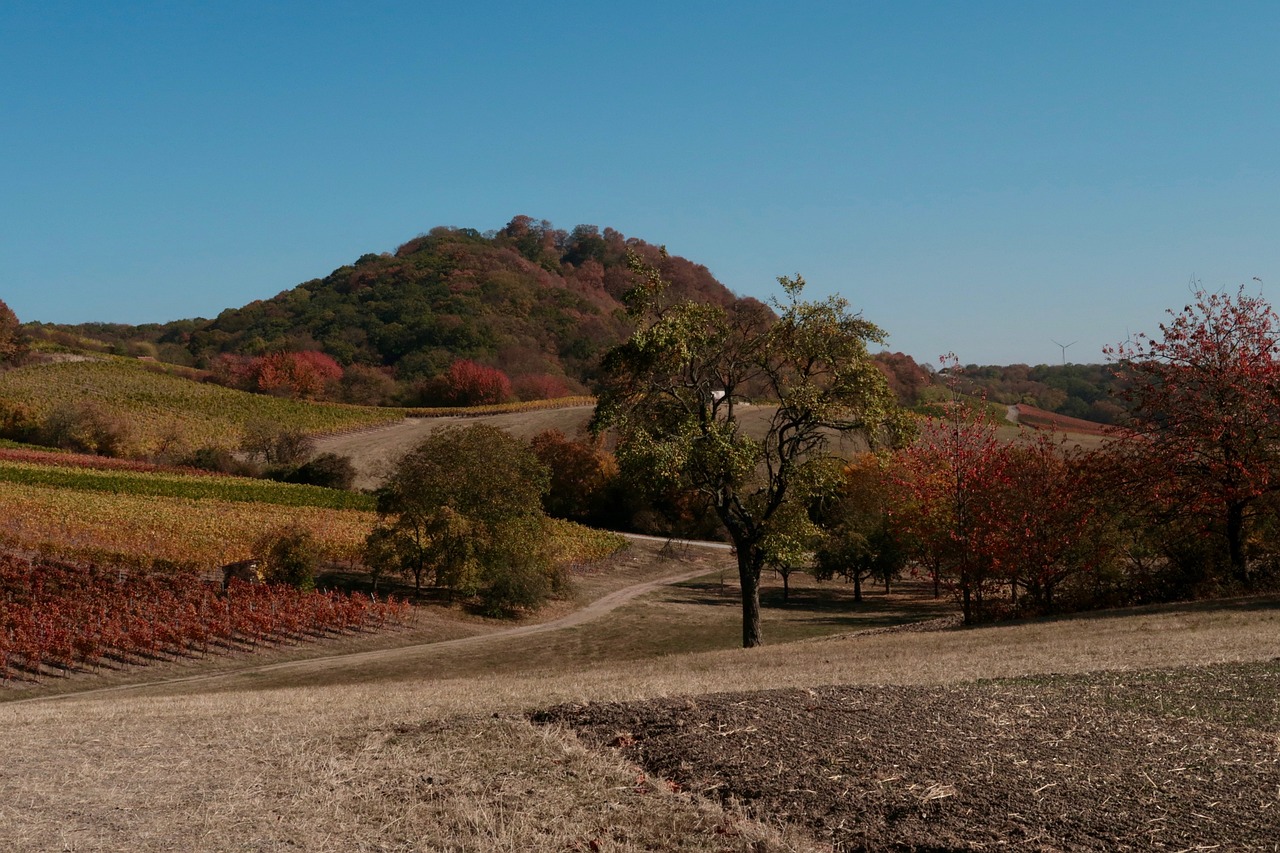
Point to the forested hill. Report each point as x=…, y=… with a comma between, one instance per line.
x=530, y=300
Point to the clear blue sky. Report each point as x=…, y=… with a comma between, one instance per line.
x=977, y=177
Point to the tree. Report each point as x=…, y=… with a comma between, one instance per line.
x=471, y=384
x=289, y=555
x=857, y=542
x=1205, y=412
x=950, y=486
x=464, y=507
x=275, y=444
x=13, y=341
x=675, y=392
x=581, y=473
x=305, y=375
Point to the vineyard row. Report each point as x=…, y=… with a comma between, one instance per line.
x=58, y=618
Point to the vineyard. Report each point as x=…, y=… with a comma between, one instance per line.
x=12, y=451
x=59, y=618
x=159, y=410
x=137, y=530
x=160, y=483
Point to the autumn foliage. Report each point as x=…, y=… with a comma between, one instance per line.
x=57, y=617
x=1205, y=427
x=13, y=344
x=305, y=375
x=470, y=384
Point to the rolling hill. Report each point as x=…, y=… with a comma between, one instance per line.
x=538, y=303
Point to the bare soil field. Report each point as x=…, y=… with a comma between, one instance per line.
x=1181, y=759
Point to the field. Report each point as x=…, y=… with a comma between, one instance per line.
x=505, y=740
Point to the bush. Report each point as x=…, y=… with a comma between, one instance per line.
x=218, y=459
x=84, y=428
x=289, y=555
x=328, y=470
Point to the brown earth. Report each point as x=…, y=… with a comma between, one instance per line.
x=1179, y=759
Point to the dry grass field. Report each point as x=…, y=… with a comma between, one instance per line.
x=402, y=746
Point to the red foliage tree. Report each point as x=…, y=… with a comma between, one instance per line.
x=1205, y=402
x=306, y=375
x=469, y=384
x=951, y=483
x=541, y=386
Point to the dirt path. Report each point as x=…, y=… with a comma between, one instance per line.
x=403, y=657
x=372, y=451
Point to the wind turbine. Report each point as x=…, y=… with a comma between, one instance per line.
x=1064, y=350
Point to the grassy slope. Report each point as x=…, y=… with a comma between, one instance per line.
x=161, y=409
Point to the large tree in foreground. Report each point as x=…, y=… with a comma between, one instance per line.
x=1205, y=399
x=677, y=394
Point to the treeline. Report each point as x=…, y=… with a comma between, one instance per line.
x=531, y=302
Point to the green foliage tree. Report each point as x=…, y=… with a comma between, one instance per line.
x=289, y=555
x=464, y=507
x=675, y=393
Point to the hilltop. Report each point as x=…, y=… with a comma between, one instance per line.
x=538, y=303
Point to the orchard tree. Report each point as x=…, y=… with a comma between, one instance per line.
x=857, y=541
x=1205, y=415
x=676, y=391
x=951, y=485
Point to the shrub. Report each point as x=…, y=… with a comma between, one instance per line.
x=289, y=555
x=85, y=428
x=328, y=470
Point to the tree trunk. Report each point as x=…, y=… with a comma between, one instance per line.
x=749, y=564
x=857, y=585
x=786, y=587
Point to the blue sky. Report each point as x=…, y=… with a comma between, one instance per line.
x=983, y=178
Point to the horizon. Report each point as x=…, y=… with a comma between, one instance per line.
x=984, y=180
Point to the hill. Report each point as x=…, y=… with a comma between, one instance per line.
x=538, y=303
